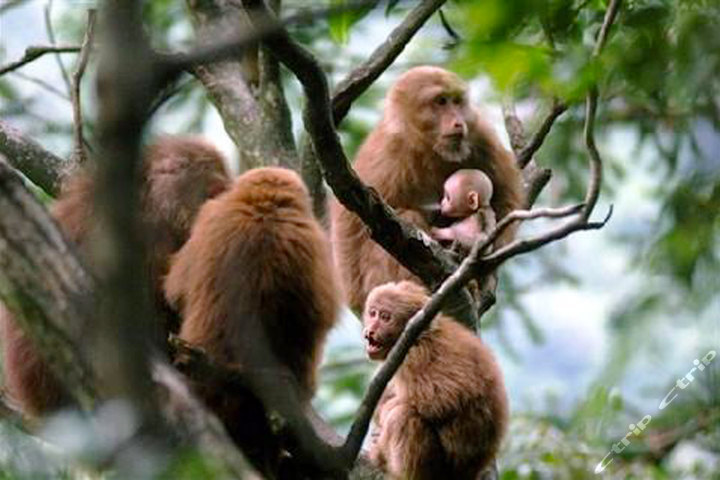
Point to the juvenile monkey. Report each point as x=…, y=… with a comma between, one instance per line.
x=428, y=131
x=256, y=289
x=445, y=412
x=180, y=173
x=466, y=198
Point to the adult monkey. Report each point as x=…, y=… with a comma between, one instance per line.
x=428, y=131
x=180, y=174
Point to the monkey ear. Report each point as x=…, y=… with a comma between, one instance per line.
x=473, y=200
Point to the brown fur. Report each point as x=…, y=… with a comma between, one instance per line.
x=181, y=173
x=256, y=270
x=407, y=158
x=445, y=411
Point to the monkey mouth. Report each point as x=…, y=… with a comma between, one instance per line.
x=453, y=148
x=375, y=349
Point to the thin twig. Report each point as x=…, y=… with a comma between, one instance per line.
x=35, y=52
x=51, y=36
x=47, y=86
x=538, y=138
x=79, y=150
x=454, y=35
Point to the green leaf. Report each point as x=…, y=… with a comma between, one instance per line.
x=340, y=23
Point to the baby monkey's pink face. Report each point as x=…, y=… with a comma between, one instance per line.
x=457, y=201
x=465, y=192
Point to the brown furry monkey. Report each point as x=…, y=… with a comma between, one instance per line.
x=257, y=291
x=428, y=131
x=445, y=412
x=180, y=174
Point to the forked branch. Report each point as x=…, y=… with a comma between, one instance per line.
x=473, y=263
x=80, y=153
x=33, y=53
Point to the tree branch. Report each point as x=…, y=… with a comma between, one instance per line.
x=35, y=52
x=514, y=127
x=44, y=284
x=127, y=81
x=535, y=181
x=527, y=152
x=188, y=415
x=47, y=11
x=80, y=154
x=253, y=117
x=42, y=167
x=358, y=81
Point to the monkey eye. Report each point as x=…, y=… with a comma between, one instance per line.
x=372, y=312
x=458, y=100
x=385, y=316
x=441, y=100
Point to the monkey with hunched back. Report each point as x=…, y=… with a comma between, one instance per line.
x=445, y=412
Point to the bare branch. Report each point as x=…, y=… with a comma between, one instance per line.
x=514, y=127
x=127, y=81
x=539, y=137
x=10, y=4
x=80, y=155
x=51, y=36
x=35, y=52
x=44, y=284
x=535, y=183
x=349, y=89
x=608, y=21
x=42, y=167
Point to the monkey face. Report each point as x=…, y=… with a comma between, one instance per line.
x=382, y=329
x=387, y=309
x=451, y=113
x=433, y=102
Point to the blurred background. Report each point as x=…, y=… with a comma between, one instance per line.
x=592, y=332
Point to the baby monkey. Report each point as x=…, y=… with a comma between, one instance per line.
x=466, y=198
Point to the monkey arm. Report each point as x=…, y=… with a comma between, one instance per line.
x=276, y=387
